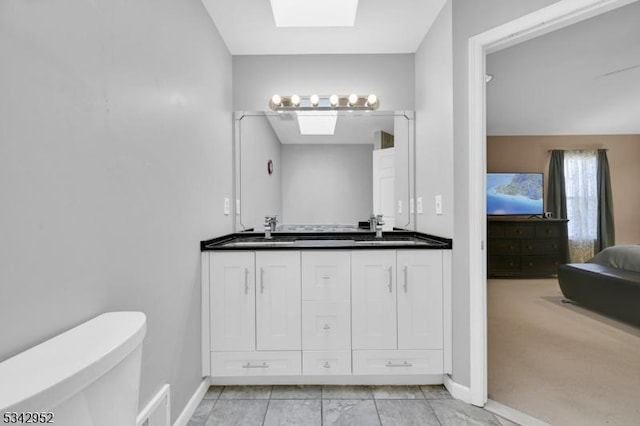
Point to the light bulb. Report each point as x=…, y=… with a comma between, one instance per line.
x=295, y=100
x=315, y=100
x=353, y=99
x=334, y=100
x=276, y=100
x=372, y=99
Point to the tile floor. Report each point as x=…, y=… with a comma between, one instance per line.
x=337, y=405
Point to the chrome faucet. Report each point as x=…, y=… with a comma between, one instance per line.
x=376, y=222
x=269, y=225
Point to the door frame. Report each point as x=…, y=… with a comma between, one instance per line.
x=543, y=21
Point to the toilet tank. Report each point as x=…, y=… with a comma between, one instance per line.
x=86, y=376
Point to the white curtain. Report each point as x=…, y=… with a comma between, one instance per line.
x=580, y=170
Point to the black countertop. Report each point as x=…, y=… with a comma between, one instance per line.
x=396, y=239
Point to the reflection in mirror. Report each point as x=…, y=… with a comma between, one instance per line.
x=326, y=169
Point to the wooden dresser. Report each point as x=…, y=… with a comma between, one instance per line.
x=525, y=247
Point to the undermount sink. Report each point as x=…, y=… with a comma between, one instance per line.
x=390, y=242
x=259, y=243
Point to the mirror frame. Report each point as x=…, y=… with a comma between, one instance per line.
x=236, y=210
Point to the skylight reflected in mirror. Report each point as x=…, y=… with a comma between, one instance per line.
x=314, y=13
x=317, y=122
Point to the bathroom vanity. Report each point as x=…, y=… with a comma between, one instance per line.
x=326, y=308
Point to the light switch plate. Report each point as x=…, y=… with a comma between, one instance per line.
x=226, y=206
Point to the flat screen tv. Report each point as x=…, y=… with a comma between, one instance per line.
x=515, y=194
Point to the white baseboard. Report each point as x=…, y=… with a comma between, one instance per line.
x=513, y=414
x=456, y=390
x=193, y=403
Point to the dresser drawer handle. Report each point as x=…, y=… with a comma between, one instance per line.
x=249, y=365
x=404, y=364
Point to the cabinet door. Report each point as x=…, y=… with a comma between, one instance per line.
x=420, y=299
x=373, y=290
x=232, y=301
x=278, y=300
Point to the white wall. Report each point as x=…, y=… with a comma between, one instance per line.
x=469, y=18
x=257, y=78
x=260, y=192
x=327, y=184
x=115, y=148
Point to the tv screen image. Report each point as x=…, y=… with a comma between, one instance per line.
x=515, y=194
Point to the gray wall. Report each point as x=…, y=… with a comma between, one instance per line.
x=327, y=184
x=257, y=78
x=470, y=18
x=261, y=193
x=115, y=148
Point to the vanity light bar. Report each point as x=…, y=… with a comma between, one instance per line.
x=324, y=103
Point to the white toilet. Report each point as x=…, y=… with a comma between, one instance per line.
x=87, y=376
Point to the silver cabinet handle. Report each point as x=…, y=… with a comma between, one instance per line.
x=404, y=364
x=261, y=280
x=390, y=279
x=406, y=278
x=249, y=365
x=326, y=277
x=326, y=327
x=326, y=364
x=246, y=280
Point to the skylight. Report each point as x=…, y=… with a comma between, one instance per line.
x=314, y=13
x=317, y=122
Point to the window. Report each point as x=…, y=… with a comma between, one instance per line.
x=581, y=186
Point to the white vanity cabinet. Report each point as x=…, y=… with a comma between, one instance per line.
x=397, y=312
x=343, y=316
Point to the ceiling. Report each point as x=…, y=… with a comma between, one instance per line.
x=582, y=79
x=382, y=26
x=351, y=128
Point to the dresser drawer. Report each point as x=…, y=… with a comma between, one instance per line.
x=503, y=263
x=519, y=231
x=390, y=362
x=495, y=230
x=266, y=363
x=550, y=230
x=540, y=264
x=504, y=246
x=529, y=247
x=326, y=325
x=326, y=275
x=326, y=363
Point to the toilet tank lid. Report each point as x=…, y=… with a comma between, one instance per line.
x=40, y=378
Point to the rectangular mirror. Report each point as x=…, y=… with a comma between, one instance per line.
x=361, y=164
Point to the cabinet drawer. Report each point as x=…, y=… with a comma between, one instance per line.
x=503, y=263
x=540, y=247
x=519, y=231
x=548, y=230
x=540, y=264
x=326, y=363
x=326, y=275
x=504, y=246
x=326, y=325
x=267, y=363
x=398, y=362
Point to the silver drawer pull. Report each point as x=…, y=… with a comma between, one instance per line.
x=326, y=277
x=406, y=278
x=249, y=365
x=261, y=280
x=246, y=280
x=326, y=327
x=326, y=364
x=404, y=364
x=390, y=279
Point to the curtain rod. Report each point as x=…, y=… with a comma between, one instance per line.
x=550, y=150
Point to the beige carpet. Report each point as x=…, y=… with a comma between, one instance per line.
x=560, y=363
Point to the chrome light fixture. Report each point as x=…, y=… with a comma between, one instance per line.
x=352, y=102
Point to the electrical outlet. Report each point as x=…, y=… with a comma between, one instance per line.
x=419, y=206
x=399, y=206
x=438, y=204
x=226, y=206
